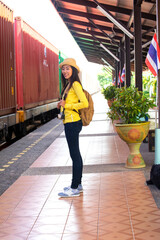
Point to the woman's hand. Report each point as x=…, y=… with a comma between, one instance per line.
x=61, y=104
x=58, y=105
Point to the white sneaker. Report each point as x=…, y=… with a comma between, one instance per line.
x=69, y=192
x=80, y=188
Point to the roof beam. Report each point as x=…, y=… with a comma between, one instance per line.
x=93, y=5
x=96, y=50
x=114, y=20
x=97, y=56
x=105, y=34
x=94, y=44
x=92, y=16
x=85, y=37
x=106, y=49
x=112, y=8
x=107, y=28
x=84, y=14
x=99, y=50
x=94, y=32
x=87, y=24
x=150, y=1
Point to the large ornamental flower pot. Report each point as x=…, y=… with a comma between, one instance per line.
x=133, y=135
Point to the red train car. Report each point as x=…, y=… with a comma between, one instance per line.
x=37, y=71
x=29, y=76
x=7, y=73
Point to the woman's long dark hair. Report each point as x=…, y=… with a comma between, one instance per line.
x=73, y=78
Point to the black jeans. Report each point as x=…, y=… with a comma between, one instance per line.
x=72, y=131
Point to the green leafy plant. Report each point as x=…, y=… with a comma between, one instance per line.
x=109, y=92
x=130, y=106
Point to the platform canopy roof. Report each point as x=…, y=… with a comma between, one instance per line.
x=93, y=30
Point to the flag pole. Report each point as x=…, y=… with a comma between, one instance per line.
x=158, y=39
x=157, y=130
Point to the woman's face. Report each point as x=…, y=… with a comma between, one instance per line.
x=67, y=71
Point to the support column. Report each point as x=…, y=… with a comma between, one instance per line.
x=116, y=72
x=127, y=61
x=121, y=56
x=138, y=44
x=119, y=66
x=122, y=60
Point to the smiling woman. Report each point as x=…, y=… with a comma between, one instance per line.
x=73, y=100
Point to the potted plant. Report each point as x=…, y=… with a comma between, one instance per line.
x=131, y=108
x=109, y=94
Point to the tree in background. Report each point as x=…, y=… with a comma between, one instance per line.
x=104, y=78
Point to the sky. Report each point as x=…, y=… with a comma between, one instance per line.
x=43, y=17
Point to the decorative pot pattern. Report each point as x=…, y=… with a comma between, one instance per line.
x=133, y=135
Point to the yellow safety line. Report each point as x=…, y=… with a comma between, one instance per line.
x=17, y=157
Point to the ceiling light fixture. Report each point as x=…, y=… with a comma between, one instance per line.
x=114, y=20
x=117, y=59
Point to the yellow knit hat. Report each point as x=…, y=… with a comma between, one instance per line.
x=69, y=61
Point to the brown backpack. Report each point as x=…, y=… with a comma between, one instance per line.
x=86, y=114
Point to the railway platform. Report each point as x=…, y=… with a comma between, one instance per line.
x=115, y=204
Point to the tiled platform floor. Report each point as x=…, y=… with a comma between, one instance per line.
x=114, y=205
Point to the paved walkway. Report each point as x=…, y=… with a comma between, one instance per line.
x=116, y=203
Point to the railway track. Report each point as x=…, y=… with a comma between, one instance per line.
x=30, y=128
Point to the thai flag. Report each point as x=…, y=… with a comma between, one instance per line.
x=123, y=75
x=153, y=57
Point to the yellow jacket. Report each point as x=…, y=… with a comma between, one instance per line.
x=76, y=99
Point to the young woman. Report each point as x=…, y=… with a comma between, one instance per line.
x=75, y=100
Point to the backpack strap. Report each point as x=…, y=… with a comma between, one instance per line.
x=76, y=111
x=65, y=92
